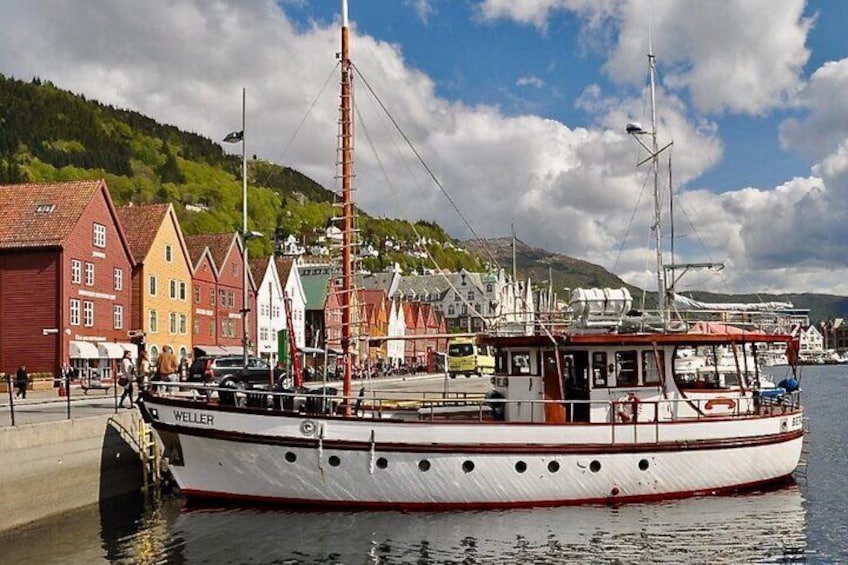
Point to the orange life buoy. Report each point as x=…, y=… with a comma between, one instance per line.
x=729, y=402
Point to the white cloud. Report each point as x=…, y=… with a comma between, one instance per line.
x=744, y=57
x=535, y=82
x=423, y=9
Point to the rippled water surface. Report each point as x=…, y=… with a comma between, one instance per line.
x=802, y=522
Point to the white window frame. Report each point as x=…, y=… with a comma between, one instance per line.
x=89, y=274
x=182, y=291
x=74, y=318
x=172, y=323
x=152, y=284
x=99, y=235
x=76, y=271
x=183, y=324
x=153, y=321
x=172, y=288
x=118, y=316
x=119, y=278
x=88, y=313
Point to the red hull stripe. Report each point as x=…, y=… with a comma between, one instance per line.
x=195, y=495
x=562, y=449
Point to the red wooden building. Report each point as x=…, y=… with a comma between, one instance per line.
x=65, y=277
x=218, y=266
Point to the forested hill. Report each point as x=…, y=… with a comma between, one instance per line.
x=48, y=134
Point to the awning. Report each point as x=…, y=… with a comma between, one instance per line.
x=83, y=350
x=108, y=350
x=131, y=347
x=310, y=350
x=232, y=349
x=215, y=350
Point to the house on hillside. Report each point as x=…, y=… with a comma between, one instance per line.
x=289, y=276
x=161, y=279
x=279, y=282
x=65, y=278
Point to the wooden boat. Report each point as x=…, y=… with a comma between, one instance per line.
x=609, y=410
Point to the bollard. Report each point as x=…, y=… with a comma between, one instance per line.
x=11, y=398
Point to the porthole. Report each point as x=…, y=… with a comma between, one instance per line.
x=553, y=466
x=291, y=457
x=424, y=465
x=467, y=466
x=382, y=463
x=520, y=466
x=333, y=461
x=643, y=464
x=595, y=466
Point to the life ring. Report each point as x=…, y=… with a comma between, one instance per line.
x=627, y=408
x=729, y=402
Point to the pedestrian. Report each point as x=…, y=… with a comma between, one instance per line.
x=21, y=381
x=125, y=379
x=166, y=365
x=142, y=374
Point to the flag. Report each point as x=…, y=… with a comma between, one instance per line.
x=234, y=137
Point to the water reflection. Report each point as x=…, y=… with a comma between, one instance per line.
x=752, y=528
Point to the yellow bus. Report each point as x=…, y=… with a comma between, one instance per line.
x=467, y=358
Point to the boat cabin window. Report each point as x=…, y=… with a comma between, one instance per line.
x=520, y=363
x=626, y=368
x=501, y=362
x=599, y=369
x=651, y=367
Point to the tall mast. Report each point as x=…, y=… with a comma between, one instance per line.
x=661, y=306
x=346, y=158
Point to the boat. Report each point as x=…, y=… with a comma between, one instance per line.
x=618, y=406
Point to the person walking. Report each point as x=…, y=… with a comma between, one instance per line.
x=125, y=379
x=21, y=381
x=167, y=365
x=142, y=374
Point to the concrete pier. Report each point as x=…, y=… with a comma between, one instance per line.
x=49, y=468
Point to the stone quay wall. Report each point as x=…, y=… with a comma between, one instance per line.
x=51, y=468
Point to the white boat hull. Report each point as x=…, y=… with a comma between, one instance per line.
x=378, y=464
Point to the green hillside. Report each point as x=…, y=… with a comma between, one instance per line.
x=49, y=134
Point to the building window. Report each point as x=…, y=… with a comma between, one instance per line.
x=76, y=271
x=222, y=297
x=169, y=254
x=196, y=323
x=232, y=296
x=212, y=327
x=118, y=316
x=212, y=297
x=172, y=288
x=275, y=311
x=172, y=323
x=89, y=274
x=451, y=310
x=197, y=295
x=99, y=235
x=151, y=286
x=183, y=320
x=182, y=291
x=75, y=312
x=153, y=321
x=489, y=288
x=470, y=295
x=119, y=279
x=88, y=313
x=263, y=334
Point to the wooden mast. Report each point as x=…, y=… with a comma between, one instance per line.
x=346, y=157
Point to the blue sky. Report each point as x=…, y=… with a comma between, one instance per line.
x=518, y=106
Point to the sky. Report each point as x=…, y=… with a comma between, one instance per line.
x=517, y=107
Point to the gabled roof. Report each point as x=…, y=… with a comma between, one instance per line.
x=141, y=223
x=284, y=266
x=38, y=215
x=258, y=266
x=219, y=245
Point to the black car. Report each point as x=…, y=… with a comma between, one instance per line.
x=220, y=371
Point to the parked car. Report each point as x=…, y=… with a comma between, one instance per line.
x=220, y=371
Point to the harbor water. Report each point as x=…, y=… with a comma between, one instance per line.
x=802, y=522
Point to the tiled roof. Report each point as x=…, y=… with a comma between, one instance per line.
x=141, y=223
x=42, y=215
x=218, y=244
x=257, y=265
x=373, y=298
x=284, y=267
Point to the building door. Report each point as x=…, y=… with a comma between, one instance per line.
x=554, y=409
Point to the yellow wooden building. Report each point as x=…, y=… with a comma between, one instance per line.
x=161, y=279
